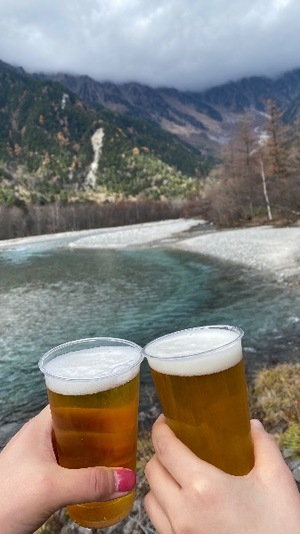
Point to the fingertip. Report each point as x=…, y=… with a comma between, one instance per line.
x=266, y=451
x=160, y=420
x=256, y=424
x=89, y=484
x=158, y=425
x=161, y=432
x=258, y=432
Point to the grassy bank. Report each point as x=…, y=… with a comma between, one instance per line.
x=275, y=400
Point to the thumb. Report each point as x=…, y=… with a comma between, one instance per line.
x=266, y=450
x=75, y=486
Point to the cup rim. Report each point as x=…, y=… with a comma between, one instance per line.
x=76, y=342
x=238, y=330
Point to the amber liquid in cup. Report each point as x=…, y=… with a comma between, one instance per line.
x=200, y=381
x=95, y=413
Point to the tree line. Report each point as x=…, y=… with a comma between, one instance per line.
x=30, y=220
x=259, y=176
x=257, y=181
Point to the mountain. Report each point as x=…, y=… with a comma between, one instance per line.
x=64, y=136
x=53, y=144
x=204, y=120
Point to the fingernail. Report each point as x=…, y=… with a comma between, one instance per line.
x=125, y=479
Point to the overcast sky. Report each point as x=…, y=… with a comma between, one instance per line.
x=187, y=44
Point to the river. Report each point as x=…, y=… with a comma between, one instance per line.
x=50, y=293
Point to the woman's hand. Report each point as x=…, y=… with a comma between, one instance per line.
x=188, y=495
x=33, y=485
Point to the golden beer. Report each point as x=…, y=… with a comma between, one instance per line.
x=93, y=391
x=200, y=381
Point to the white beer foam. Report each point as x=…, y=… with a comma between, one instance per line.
x=88, y=371
x=195, y=351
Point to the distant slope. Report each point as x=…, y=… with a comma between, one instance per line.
x=204, y=120
x=48, y=146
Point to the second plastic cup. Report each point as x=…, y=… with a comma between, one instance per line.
x=200, y=381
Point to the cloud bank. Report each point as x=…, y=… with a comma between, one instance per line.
x=187, y=44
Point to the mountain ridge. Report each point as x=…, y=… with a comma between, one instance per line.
x=62, y=136
x=203, y=119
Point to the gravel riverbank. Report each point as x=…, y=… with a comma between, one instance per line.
x=263, y=248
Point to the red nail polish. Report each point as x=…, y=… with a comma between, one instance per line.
x=125, y=479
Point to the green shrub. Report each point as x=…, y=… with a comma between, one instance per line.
x=275, y=399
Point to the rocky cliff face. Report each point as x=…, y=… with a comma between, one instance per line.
x=205, y=119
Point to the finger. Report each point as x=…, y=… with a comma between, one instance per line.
x=163, y=486
x=40, y=429
x=156, y=515
x=40, y=423
x=75, y=486
x=266, y=451
x=43, y=424
x=169, y=448
x=34, y=435
x=42, y=419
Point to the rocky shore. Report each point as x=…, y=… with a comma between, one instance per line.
x=264, y=248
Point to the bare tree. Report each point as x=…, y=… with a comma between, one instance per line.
x=263, y=177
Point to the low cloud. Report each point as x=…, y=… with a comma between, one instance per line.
x=187, y=44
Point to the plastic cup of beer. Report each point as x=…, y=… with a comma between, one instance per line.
x=200, y=380
x=93, y=392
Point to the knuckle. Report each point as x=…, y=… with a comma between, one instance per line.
x=182, y=527
x=205, y=492
x=101, y=482
x=45, y=483
x=161, y=444
x=149, y=468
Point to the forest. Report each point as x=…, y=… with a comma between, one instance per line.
x=258, y=179
x=255, y=181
